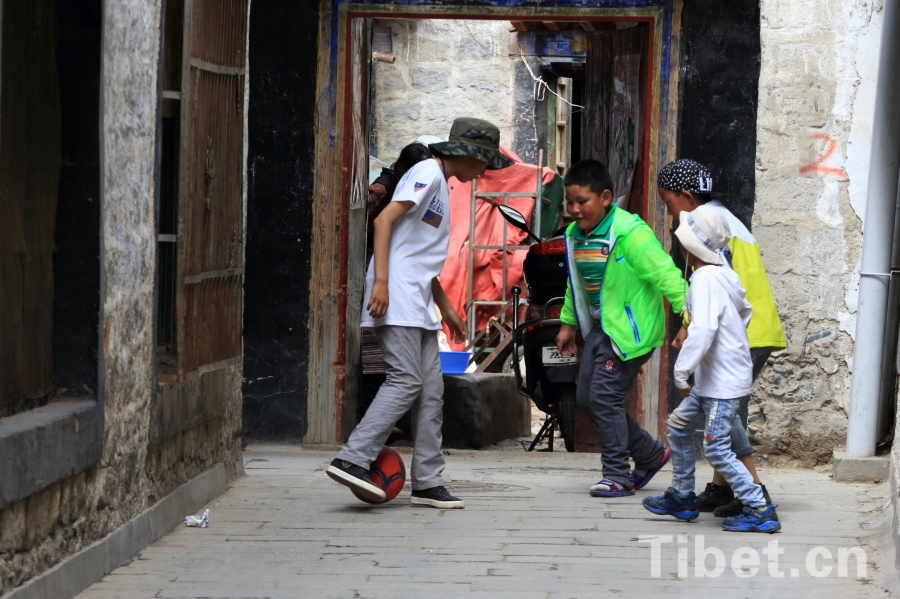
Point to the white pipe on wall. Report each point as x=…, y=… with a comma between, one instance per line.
x=884, y=167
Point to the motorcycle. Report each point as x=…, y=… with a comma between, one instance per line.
x=549, y=378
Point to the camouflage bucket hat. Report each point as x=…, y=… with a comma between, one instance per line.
x=476, y=138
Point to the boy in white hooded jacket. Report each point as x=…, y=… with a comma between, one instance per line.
x=717, y=353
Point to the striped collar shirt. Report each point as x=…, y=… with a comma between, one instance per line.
x=591, y=251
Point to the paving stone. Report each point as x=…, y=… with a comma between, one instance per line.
x=529, y=530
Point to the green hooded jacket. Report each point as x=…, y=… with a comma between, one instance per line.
x=638, y=274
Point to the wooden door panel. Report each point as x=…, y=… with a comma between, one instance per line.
x=361, y=48
x=211, y=186
x=219, y=32
x=612, y=126
x=615, y=112
x=213, y=212
x=30, y=153
x=212, y=322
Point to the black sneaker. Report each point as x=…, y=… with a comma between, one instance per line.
x=355, y=477
x=714, y=496
x=437, y=497
x=736, y=508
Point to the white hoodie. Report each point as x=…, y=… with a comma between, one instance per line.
x=716, y=349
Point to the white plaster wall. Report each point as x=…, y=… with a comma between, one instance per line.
x=444, y=69
x=816, y=98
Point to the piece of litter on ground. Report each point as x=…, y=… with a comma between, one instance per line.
x=202, y=522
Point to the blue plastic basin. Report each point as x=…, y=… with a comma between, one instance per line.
x=455, y=362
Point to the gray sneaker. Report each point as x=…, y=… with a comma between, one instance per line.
x=355, y=477
x=437, y=497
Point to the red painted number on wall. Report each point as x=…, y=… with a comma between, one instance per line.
x=819, y=165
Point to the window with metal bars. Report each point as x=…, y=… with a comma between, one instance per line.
x=167, y=188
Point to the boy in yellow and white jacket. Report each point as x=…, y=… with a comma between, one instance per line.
x=684, y=185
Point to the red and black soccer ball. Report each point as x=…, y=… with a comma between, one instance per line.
x=388, y=473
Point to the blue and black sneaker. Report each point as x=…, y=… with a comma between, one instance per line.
x=671, y=504
x=754, y=520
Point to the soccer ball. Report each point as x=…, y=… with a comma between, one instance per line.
x=388, y=473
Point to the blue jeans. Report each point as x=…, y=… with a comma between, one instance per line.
x=740, y=442
x=720, y=416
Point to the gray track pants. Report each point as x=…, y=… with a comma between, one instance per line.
x=414, y=381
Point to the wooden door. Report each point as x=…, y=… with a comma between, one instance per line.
x=29, y=174
x=358, y=185
x=615, y=113
x=612, y=132
x=210, y=238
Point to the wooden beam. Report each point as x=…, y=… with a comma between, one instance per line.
x=587, y=26
x=551, y=25
x=519, y=26
x=563, y=44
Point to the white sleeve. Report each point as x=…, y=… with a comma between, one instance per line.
x=418, y=184
x=746, y=312
x=705, y=312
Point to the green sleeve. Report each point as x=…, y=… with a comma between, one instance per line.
x=652, y=264
x=567, y=316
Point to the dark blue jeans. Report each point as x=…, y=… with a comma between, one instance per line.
x=603, y=381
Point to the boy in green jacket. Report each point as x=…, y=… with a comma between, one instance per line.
x=618, y=276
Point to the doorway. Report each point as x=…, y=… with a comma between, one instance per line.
x=634, y=43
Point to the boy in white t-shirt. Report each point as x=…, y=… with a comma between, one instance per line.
x=412, y=234
x=717, y=352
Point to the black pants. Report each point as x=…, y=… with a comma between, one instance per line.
x=603, y=381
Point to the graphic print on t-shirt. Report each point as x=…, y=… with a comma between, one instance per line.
x=435, y=213
x=419, y=186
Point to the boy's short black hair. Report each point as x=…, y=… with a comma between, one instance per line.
x=592, y=174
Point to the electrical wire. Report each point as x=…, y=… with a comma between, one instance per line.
x=541, y=85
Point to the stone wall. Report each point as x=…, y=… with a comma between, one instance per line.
x=816, y=92
x=133, y=472
x=444, y=69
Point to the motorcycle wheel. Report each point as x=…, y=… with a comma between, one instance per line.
x=565, y=414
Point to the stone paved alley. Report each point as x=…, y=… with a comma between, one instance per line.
x=529, y=530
